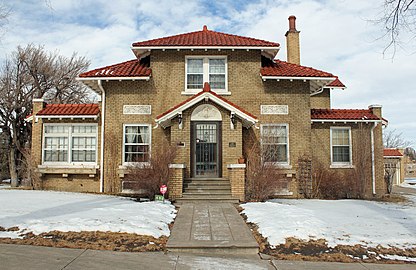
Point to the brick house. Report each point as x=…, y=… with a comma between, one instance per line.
x=211, y=95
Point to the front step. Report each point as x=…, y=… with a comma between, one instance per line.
x=207, y=190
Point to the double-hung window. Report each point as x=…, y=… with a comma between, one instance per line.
x=136, y=143
x=340, y=146
x=212, y=69
x=65, y=143
x=275, y=143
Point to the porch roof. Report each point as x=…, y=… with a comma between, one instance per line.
x=165, y=118
x=392, y=153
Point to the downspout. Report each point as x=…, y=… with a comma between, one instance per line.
x=102, y=135
x=373, y=166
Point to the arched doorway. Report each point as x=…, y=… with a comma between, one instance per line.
x=206, y=141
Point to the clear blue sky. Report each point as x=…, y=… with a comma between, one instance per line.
x=335, y=36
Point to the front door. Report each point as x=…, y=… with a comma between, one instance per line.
x=206, y=149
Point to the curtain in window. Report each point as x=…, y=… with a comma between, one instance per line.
x=137, y=144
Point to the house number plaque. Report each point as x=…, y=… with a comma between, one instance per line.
x=137, y=109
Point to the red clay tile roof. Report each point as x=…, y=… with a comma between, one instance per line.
x=207, y=88
x=342, y=114
x=206, y=38
x=131, y=68
x=285, y=69
x=70, y=109
x=391, y=152
x=336, y=83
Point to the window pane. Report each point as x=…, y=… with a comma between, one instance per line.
x=217, y=66
x=56, y=129
x=340, y=137
x=56, y=155
x=217, y=81
x=194, y=81
x=195, y=66
x=341, y=154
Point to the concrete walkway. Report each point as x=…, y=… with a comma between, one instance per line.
x=211, y=228
x=15, y=257
x=404, y=190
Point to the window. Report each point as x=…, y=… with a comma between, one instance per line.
x=211, y=69
x=274, y=143
x=69, y=143
x=136, y=143
x=340, y=146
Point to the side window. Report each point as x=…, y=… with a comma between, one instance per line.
x=275, y=143
x=340, y=146
x=136, y=143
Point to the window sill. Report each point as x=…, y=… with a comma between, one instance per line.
x=191, y=93
x=123, y=169
x=65, y=169
x=279, y=165
x=342, y=166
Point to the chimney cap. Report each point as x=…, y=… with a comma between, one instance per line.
x=292, y=23
x=205, y=28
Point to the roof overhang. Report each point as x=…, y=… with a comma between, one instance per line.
x=92, y=82
x=393, y=157
x=66, y=116
x=346, y=121
x=164, y=120
x=316, y=83
x=269, y=52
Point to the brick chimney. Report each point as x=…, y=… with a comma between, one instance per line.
x=292, y=42
x=376, y=110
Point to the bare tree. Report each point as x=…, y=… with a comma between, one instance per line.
x=31, y=72
x=394, y=139
x=397, y=17
x=389, y=172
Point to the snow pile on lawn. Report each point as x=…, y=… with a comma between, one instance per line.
x=343, y=222
x=409, y=183
x=44, y=211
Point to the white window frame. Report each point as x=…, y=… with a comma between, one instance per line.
x=341, y=164
x=124, y=143
x=286, y=163
x=205, y=68
x=69, y=136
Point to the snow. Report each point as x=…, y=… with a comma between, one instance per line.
x=397, y=258
x=409, y=183
x=44, y=211
x=347, y=222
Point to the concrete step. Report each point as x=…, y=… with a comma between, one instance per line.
x=206, y=184
x=206, y=200
x=205, y=194
x=223, y=250
x=207, y=191
x=207, y=187
x=205, y=179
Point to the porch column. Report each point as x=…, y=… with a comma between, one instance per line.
x=237, y=175
x=175, y=186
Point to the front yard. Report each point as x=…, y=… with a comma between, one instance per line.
x=28, y=216
x=357, y=229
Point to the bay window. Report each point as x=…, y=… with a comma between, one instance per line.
x=66, y=143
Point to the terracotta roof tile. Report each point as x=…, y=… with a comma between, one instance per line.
x=391, y=152
x=342, y=114
x=70, y=109
x=336, y=83
x=131, y=68
x=206, y=38
x=285, y=69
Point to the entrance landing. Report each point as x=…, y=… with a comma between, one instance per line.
x=211, y=228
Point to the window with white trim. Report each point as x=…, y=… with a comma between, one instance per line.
x=212, y=69
x=66, y=143
x=136, y=146
x=275, y=143
x=340, y=146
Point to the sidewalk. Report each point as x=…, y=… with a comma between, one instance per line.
x=46, y=258
x=209, y=228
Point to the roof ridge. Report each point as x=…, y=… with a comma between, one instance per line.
x=206, y=30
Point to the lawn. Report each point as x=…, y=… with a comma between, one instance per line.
x=44, y=211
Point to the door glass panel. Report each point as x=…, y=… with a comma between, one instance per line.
x=206, y=150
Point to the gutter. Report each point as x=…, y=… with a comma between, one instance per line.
x=102, y=135
x=373, y=168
